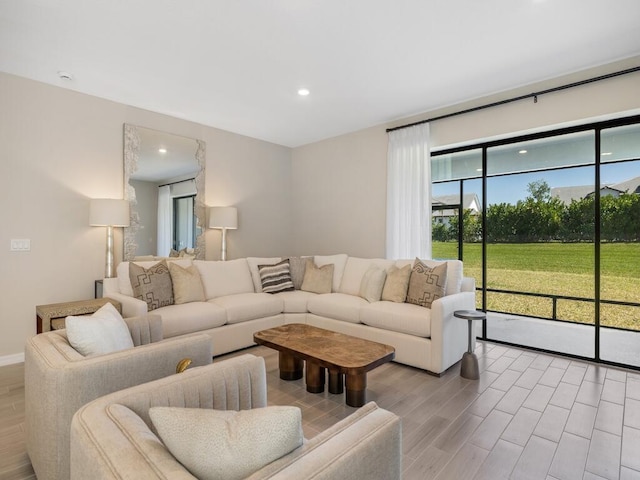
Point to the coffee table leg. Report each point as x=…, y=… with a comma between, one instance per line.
x=336, y=382
x=315, y=377
x=290, y=366
x=356, y=390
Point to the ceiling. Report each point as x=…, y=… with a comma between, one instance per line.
x=237, y=65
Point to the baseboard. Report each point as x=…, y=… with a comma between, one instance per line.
x=11, y=359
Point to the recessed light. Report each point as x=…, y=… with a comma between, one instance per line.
x=522, y=152
x=478, y=169
x=162, y=150
x=303, y=92
x=606, y=154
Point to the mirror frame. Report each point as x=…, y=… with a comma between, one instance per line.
x=131, y=157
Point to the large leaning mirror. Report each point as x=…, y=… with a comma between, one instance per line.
x=164, y=183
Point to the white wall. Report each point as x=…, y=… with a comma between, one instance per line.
x=59, y=148
x=339, y=184
x=339, y=195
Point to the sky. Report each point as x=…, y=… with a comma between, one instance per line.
x=511, y=188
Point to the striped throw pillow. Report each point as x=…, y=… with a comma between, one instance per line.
x=276, y=278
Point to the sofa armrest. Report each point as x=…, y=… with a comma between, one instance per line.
x=131, y=307
x=57, y=383
x=146, y=329
x=366, y=444
x=449, y=334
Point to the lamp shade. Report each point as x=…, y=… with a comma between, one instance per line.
x=223, y=217
x=109, y=212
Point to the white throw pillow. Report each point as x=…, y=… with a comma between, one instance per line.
x=103, y=332
x=372, y=284
x=229, y=445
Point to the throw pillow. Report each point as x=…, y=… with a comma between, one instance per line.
x=317, y=279
x=103, y=332
x=297, y=266
x=186, y=283
x=229, y=445
x=152, y=285
x=396, y=284
x=426, y=284
x=372, y=284
x=275, y=278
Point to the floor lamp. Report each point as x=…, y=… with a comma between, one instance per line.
x=108, y=212
x=224, y=218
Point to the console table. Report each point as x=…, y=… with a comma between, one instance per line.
x=469, y=368
x=51, y=317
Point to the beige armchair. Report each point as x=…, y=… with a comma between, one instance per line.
x=59, y=380
x=113, y=437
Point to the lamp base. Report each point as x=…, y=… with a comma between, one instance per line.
x=109, y=270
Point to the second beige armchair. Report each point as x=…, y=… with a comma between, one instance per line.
x=59, y=380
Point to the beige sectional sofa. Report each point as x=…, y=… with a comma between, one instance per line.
x=235, y=307
x=114, y=438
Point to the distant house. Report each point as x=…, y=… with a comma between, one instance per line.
x=445, y=207
x=569, y=194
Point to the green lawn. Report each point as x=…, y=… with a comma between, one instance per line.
x=565, y=269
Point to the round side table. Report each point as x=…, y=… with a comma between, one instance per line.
x=469, y=367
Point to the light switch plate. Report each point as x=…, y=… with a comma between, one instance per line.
x=20, y=244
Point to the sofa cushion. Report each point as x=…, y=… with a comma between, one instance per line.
x=396, y=284
x=398, y=317
x=122, y=272
x=354, y=271
x=228, y=444
x=337, y=305
x=103, y=332
x=426, y=284
x=317, y=279
x=249, y=306
x=276, y=278
x=221, y=278
x=254, y=263
x=152, y=285
x=190, y=317
x=295, y=301
x=372, y=284
x=187, y=284
x=338, y=261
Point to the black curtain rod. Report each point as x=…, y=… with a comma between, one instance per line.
x=175, y=183
x=533, y=95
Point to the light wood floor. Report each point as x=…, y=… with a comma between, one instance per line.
x=531, y=415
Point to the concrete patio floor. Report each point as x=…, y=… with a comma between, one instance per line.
x=619, y=346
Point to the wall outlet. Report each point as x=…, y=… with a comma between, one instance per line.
x=20, y=245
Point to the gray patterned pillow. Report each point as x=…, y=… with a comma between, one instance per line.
x=152, y=285
x=426, y=284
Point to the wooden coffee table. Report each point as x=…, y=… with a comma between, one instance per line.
x=347, y=358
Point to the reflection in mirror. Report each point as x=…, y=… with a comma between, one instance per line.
x=164, y=183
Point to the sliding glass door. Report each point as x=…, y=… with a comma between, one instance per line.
x=552, y=243
x=619, y=312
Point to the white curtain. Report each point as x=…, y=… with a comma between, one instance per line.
x=165, y=219
x=409, y=193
